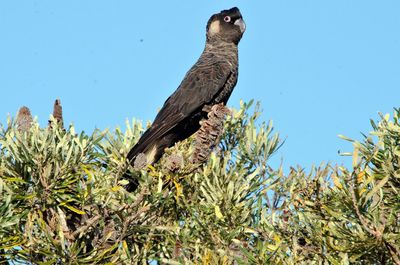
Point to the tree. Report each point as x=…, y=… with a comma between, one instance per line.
x=60, y=204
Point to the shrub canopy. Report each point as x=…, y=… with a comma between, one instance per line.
x=63, y=201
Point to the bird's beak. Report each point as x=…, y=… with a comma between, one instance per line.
x=239, y=22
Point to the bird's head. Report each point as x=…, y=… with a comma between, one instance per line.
x=227, y=25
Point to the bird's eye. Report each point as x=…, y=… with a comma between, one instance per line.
x=227, y=19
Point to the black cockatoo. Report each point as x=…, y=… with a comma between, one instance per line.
x=210, y=81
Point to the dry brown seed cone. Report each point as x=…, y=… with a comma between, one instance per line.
x=24, y=119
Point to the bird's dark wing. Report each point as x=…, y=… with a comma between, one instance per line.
x=200, y=86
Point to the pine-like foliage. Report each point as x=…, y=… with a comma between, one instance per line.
x=63, y=201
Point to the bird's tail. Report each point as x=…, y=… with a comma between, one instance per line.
x=133, y=183
x=135, y=151
x=140, y=147
x=149, y=148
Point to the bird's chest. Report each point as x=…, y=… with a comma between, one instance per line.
x=226, y=90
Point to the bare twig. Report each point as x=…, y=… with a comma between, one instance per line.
x=363, y=221
x=393, y=250
x=90, y=222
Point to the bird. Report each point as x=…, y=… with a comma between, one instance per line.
x=209, y=81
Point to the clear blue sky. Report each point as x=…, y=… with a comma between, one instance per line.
x=320, y=68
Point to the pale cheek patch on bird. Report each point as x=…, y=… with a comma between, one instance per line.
x=214, y=28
